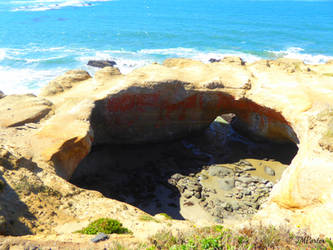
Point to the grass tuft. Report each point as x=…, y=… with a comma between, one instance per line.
x=147, y=218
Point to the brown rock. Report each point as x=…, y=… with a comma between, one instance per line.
x=64, y=82
x=279, y=100
x=17, y=110
x=106, y=74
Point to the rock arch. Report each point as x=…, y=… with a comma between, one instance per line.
x=279, y=100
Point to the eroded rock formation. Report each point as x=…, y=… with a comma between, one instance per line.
x=282, y=100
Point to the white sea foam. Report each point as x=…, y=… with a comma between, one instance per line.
x=2, y=54
x=199, y=55
x=129, y=60
x=43, y=5
x=32, y=67
x=298, y=53
x=25, y=80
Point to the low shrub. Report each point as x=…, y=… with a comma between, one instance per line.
x=105, y=225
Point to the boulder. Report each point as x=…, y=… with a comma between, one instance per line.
x=17, y=110
x=64, y=82
x=233, y=60
x=2, y=94
x=106, y=74
x=101, y=63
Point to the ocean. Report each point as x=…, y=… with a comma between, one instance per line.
x=41, y=39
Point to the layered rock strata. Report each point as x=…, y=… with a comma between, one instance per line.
x=282, y=100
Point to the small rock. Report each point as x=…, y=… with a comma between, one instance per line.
x=228, y=207
x=203, y=177
x=218, y=212
x=188, y=194
x=100, y=237
x=197, y=195
x=227, y=184
x=220, y=171
x=269, y=185
x=203, y=203
x=269, y=171
x=219, y=220
x=246, y=180
x=175, y=178
x=244, y=163
x=250, y=169
x=213, y=60
x=247, y=192
x=235, y=206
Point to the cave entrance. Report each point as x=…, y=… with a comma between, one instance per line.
x=213, y=176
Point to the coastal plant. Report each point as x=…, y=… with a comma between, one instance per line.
x=330, y=243
x=218, y=237
x=145, y=217
x=166, y=216
x=104, y=225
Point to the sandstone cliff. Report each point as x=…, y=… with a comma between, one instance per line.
x=282, y=100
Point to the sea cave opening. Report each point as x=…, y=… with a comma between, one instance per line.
x=217, y=175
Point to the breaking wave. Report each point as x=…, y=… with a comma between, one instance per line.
x=298, y=53
x=44, y=5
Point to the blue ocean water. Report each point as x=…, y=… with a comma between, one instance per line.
x=40, y=39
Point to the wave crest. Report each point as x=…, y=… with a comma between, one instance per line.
x=44, y=5
x=298, y=53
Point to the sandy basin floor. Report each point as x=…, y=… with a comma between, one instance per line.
x=214, y=177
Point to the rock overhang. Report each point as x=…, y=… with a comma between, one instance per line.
x=272, y=99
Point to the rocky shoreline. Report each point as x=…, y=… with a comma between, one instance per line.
x=152, y=141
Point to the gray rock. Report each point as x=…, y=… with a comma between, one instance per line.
x=173, y=180
x=235, y=205
x=188, y=194
x=197, y=195
x=195, y=187
x=269, y=185
x=246, y=180
x=1, y=94
x=100, y=237
x=244, y=163
x=247, y=192
x=101, y=63
x=250, y=169
x=269, y=171
x=227, y=184
x=219, y=220
x=203, y=177
x=213, y=60
x=218, y=212
x=227, y=206
x=220, y=171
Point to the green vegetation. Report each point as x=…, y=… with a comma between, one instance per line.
x=218, y=237
x=147, y=218
x=166, y=216
x=330, y=244
x=105, y=225
x=35, y=186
